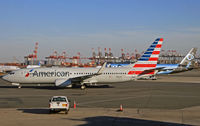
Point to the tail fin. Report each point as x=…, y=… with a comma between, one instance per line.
x=148, y=61
x=187, y=60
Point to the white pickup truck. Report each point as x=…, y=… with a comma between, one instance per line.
x=59, y=103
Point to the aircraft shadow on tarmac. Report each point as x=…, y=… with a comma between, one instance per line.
x=58, y=88
x=122, y=121
x=109, y=120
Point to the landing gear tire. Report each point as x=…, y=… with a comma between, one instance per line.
x=83, y=87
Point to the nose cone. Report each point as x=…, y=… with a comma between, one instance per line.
x=6, y=78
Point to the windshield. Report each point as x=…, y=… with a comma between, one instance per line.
x=12, y=73
x=59, y=99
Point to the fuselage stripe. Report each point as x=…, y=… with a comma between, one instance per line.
x=144, y=65
x=141, y=72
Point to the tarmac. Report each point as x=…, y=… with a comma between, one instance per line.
x=170, y=100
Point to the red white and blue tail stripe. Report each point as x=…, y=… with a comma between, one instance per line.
x=148, y=61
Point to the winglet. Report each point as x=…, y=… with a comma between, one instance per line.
x=102, y=68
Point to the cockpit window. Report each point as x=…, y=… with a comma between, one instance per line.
x=11, y=73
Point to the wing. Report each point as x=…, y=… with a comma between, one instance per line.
x=68, y=81
x=151, y=71
x=80, y=78
x=159, y=68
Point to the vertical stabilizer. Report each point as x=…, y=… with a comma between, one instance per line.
x=148, y=61
x=187, y=60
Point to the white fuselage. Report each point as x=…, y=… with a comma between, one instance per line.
x=50, y=75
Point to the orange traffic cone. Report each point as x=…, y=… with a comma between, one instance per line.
x=74, y=104
x=121, y=108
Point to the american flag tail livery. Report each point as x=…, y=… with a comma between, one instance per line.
x=146, y=65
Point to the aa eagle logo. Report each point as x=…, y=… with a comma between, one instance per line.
x=190, y=57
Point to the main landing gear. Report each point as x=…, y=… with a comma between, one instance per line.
x=83, y=87
x=154, y=77
x=19, y=86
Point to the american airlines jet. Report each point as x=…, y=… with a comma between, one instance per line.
x=63, y=77
x=184, y=65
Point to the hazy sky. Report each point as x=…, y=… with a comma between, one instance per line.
x=79, y=25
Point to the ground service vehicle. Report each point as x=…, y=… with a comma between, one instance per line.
x=59, y=103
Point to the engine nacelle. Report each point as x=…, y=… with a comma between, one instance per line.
x=63, y=82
